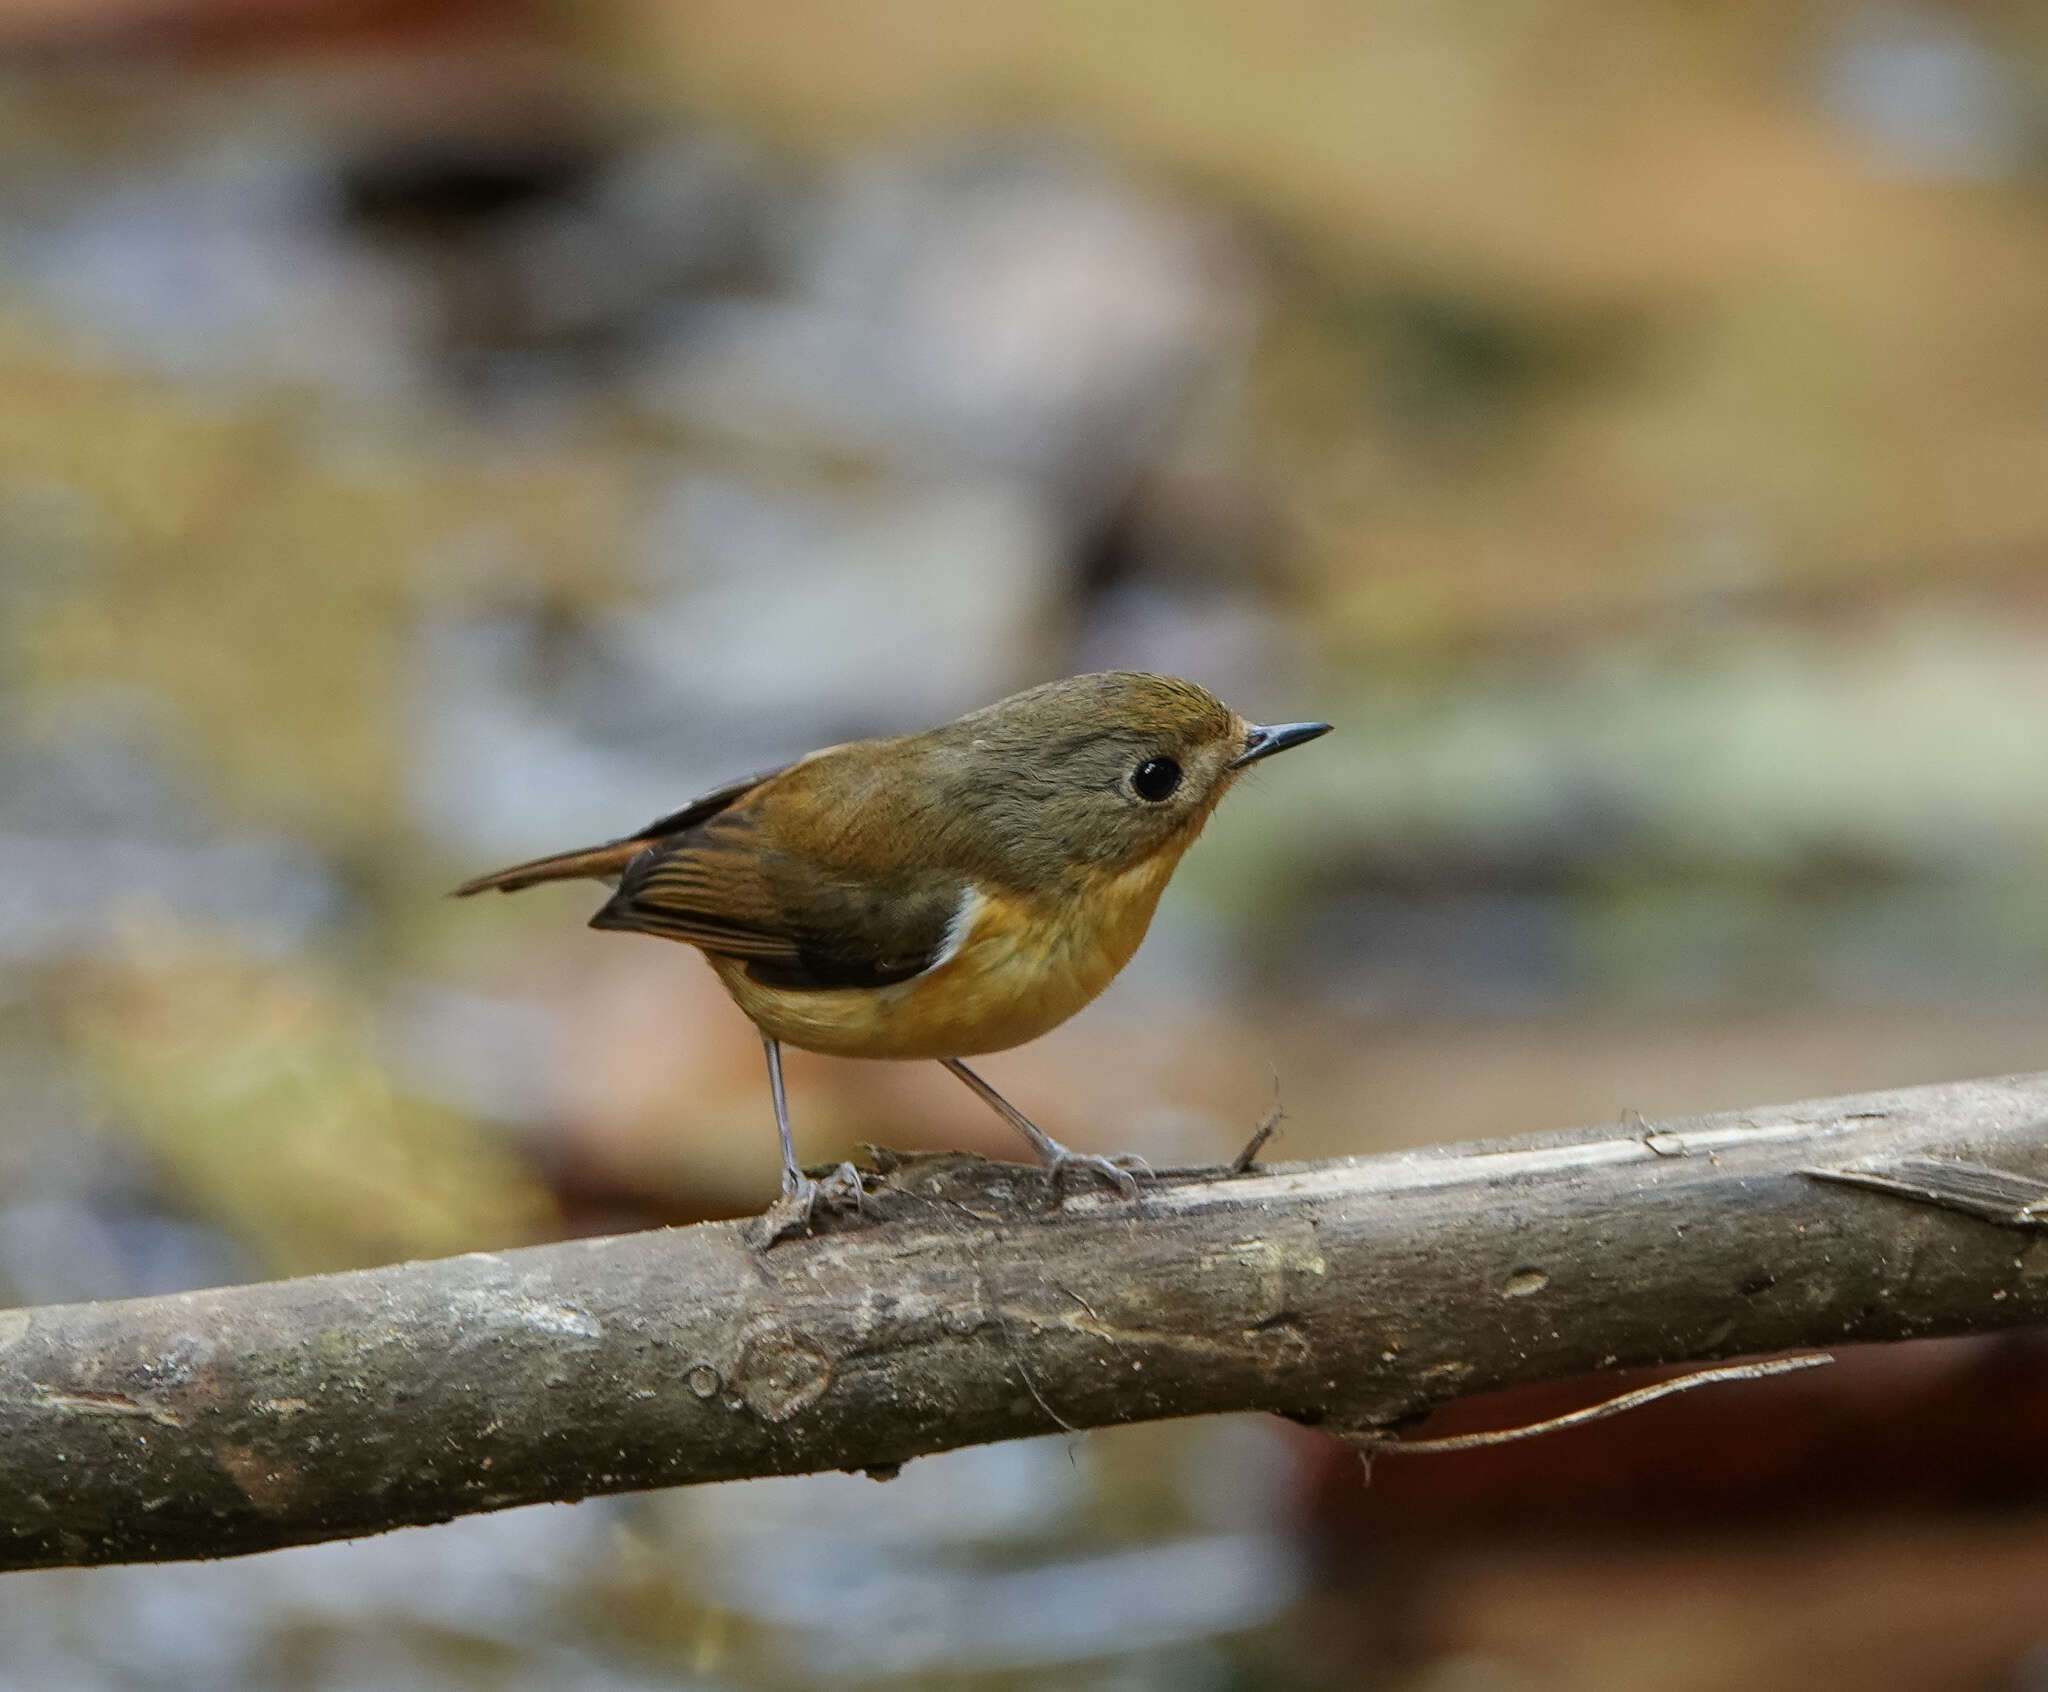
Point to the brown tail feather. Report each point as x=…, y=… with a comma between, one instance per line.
x=593, y=863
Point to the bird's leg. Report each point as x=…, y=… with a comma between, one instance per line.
x=791, y=1213
x=1059, y=1162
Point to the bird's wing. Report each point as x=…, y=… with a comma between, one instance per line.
x=799, y=920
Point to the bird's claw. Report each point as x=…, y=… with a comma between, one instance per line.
x=1117, y=1169
x=790, y=1214
x=842, y=1189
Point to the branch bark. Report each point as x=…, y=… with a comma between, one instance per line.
x=962, y=1307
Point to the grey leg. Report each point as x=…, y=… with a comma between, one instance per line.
x=792, y=1176
x=1059, y=1162
x=791, y=1213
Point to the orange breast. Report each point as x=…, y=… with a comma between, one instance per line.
x=1026, y=963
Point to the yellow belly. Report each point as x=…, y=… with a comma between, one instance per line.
x=1025, y=965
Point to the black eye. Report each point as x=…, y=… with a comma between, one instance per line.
x=1155, y=779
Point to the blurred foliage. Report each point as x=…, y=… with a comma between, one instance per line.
x=255, y=581
x=264, y=1095
x=1837, y=361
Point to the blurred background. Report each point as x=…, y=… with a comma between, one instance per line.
x=433, y=432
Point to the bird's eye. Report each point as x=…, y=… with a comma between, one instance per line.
x=1155, y=779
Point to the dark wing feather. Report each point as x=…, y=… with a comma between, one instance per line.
x=797, y=921
x=701, y=809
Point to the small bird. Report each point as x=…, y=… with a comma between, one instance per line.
x=934, y=895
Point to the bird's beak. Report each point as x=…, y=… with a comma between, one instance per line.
x=1264, y=742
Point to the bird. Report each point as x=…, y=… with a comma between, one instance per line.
x=936, y=895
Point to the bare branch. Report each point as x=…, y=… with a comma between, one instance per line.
x=1380, y=1444
x=1997, y=1195
x=962, y=1306
x=1269, y=1125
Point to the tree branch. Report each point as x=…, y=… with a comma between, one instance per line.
x=1356, y=1294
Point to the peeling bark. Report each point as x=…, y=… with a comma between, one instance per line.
x=963, y=1307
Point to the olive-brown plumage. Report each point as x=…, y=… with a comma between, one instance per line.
x=941, y=894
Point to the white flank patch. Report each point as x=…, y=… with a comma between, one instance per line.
x=958, y=928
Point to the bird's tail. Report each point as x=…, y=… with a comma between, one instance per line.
x=592, y=863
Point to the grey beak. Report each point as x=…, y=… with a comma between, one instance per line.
x=1264, y=742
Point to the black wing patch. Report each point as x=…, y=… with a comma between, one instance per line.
x=701, y=809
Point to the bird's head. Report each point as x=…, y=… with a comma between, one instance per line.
x=1098, y=771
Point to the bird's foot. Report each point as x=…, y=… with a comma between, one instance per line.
x=790, y=1214
x=1117, y=1169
